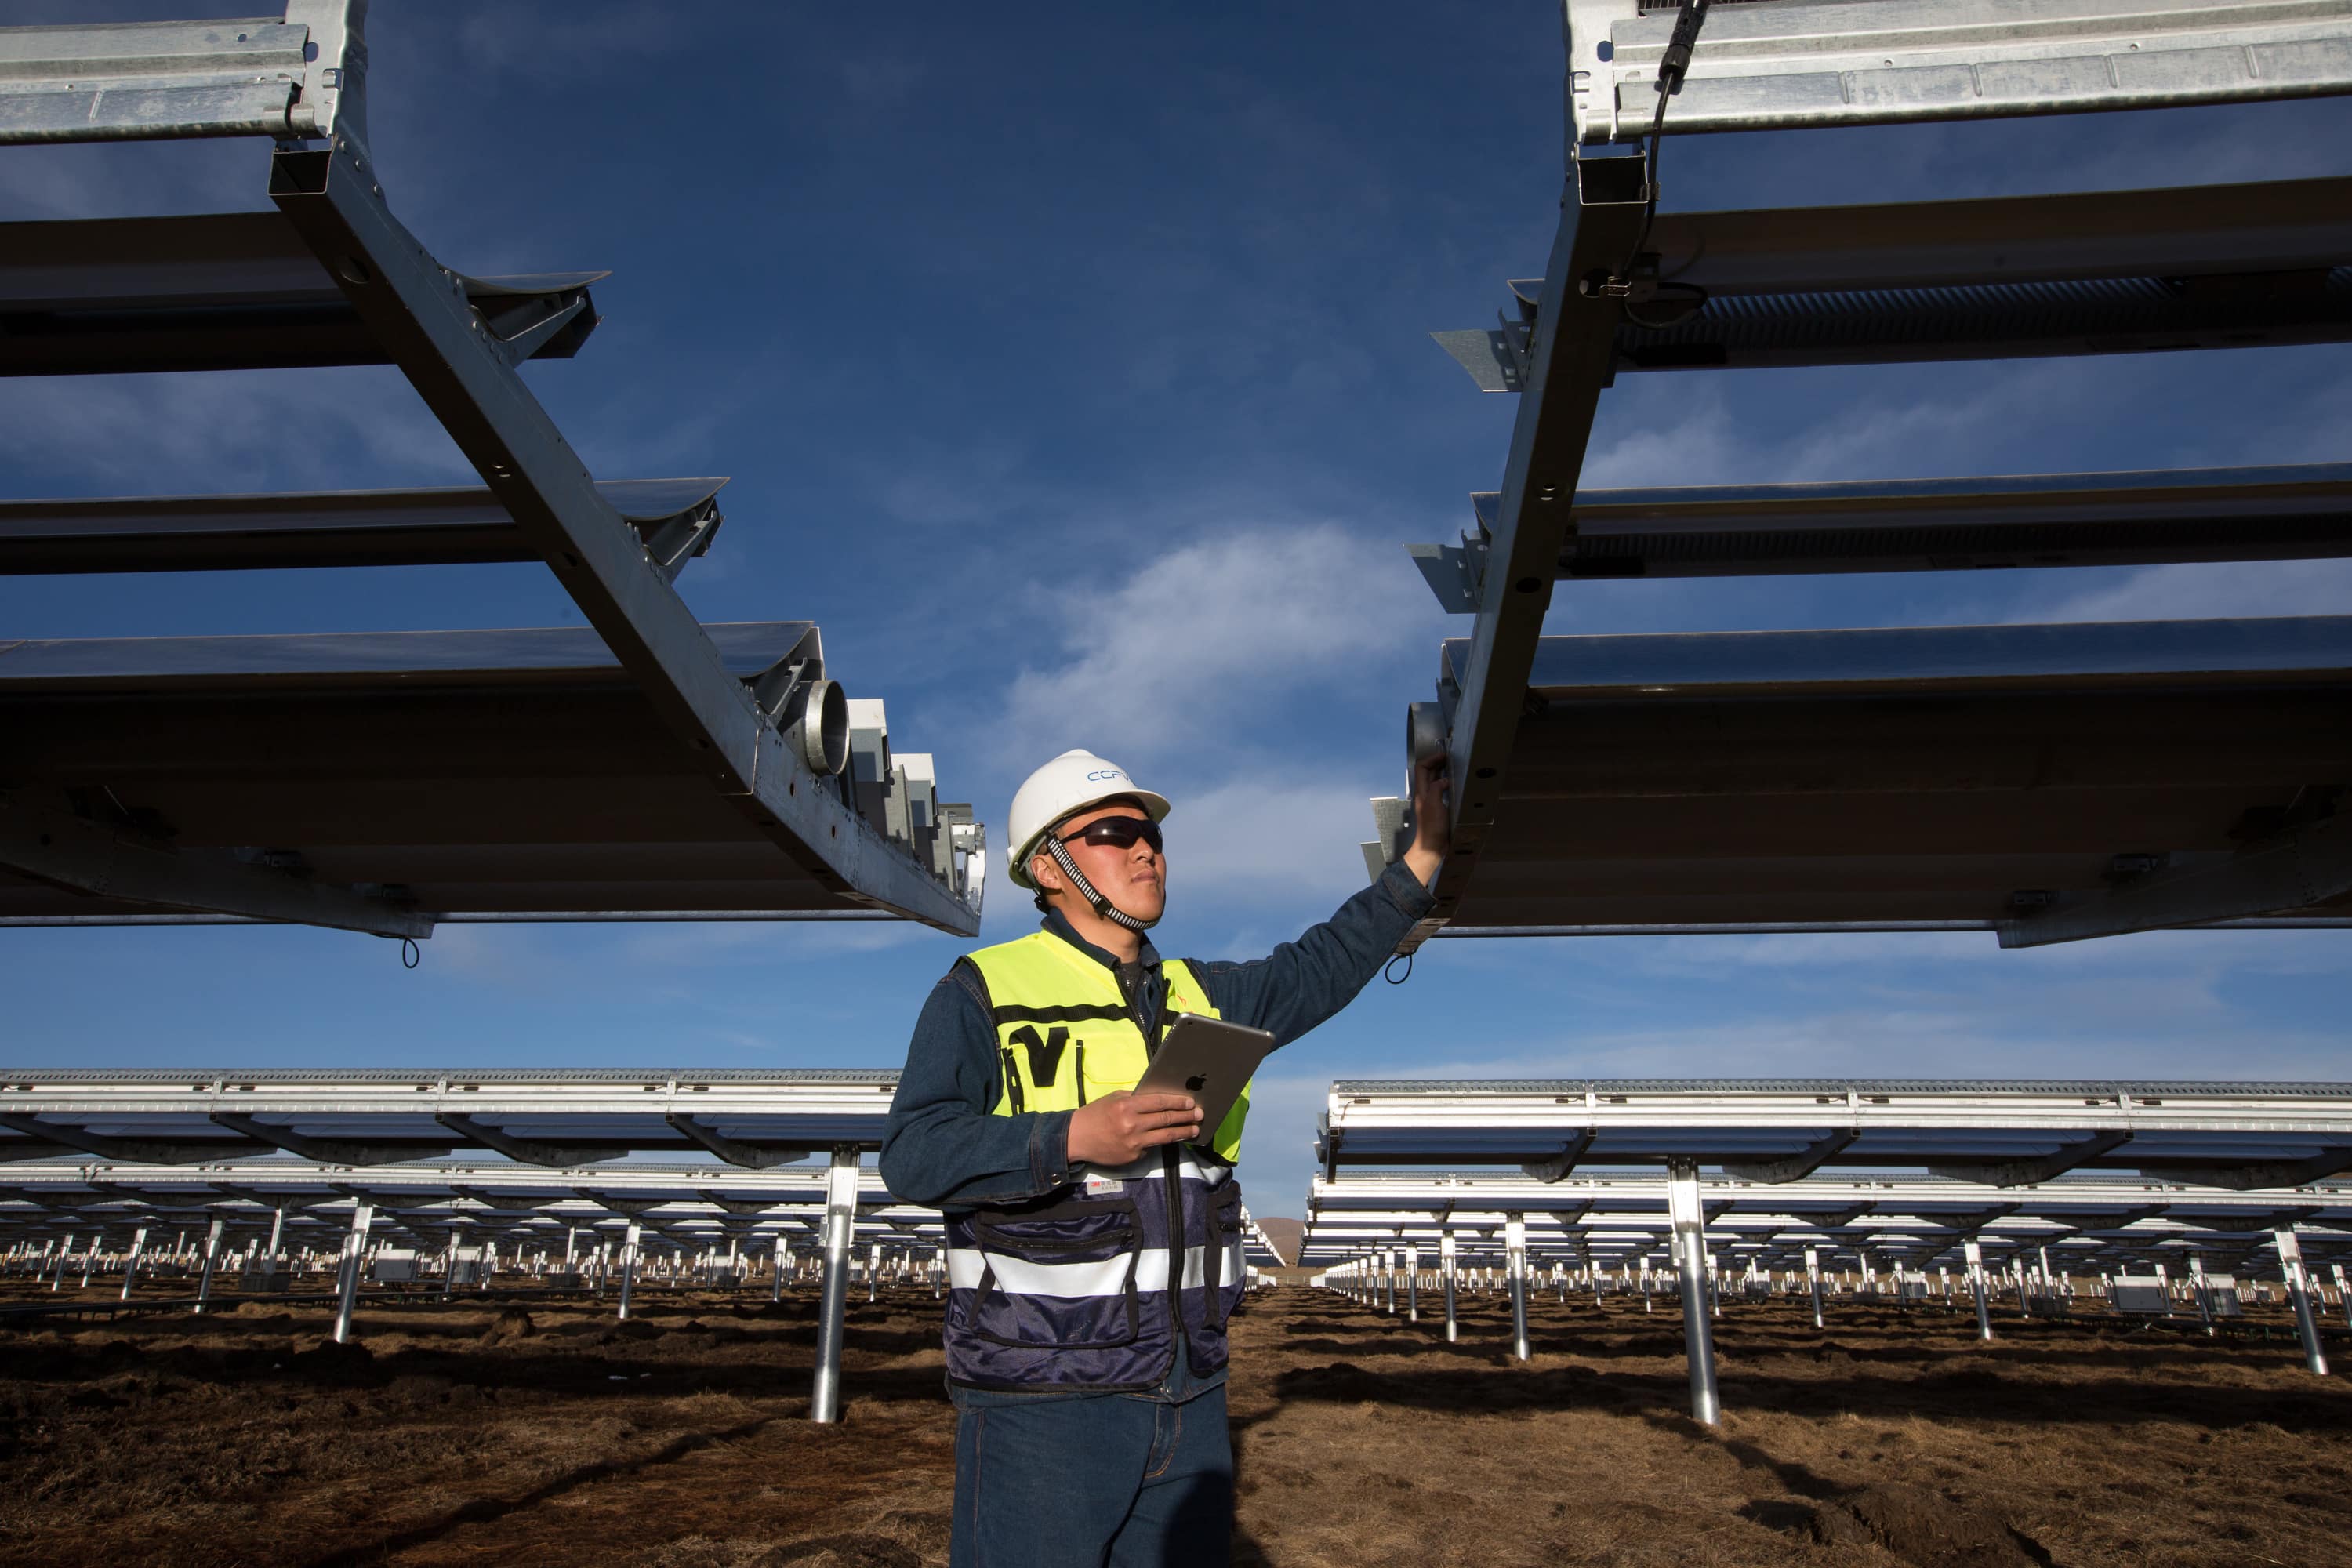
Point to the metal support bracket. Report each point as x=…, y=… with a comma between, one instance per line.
x=1792, y=1167
x=117, y=861
x=2039, y=1168
x=751, y=1157
x=2279, y=1174
x=139, y=1150
x=1453, y=573
x=1557, y=1166
x=1569, y=358
x=2310, y=866
x=527, y=1150
x=326, y=1151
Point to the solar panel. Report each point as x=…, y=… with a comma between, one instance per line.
x=438, y=527
x=1613, y=1218
x=557, y=1120
x=454, y=773
x=2008, y=778
x=1932, y=525
x=382, y=782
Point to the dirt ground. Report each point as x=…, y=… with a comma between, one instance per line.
x=548, y=1434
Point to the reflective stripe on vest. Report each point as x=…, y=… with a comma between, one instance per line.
x=1064, y=1033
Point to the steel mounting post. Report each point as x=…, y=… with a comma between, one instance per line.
x=1445, y=1264
x=347, y=1283
x=1412, y=1284
x=1515, y=1258
x=840, y=1227
x=212, y=1258
x=130, y=1263
x=1690, y=1257
x=2298, y=1287
x=1975, y=1256
x=629, y=1265
x=1814, y=1282
x=1569, y=364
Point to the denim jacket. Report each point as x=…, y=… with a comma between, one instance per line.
x=943, y=1147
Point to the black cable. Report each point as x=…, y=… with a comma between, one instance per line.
x=1673, y=65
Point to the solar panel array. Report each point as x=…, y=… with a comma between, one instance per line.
x=2047, y=782
x=1701, y=1176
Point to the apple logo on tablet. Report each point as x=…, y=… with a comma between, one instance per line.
x=1196, y=1080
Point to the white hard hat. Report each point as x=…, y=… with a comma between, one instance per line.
x=1069, y=783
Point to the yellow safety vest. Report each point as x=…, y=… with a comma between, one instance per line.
x=1063, y=1033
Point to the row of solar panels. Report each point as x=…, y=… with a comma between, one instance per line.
x=2047, y=782
x=2235, y=1136
x=302, y=1202
x=1608, y=1219
x=648, y=767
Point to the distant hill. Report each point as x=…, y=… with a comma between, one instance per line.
x=1285, y=1235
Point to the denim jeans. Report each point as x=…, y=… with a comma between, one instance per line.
x=1128, y=1480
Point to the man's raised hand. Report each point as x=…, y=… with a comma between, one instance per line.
x=1116, y=1129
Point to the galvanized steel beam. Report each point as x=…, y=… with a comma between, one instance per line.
x=228, y=291
x=455, y=525
x=1567, y=366
x=1936, y=525
x=134, y=81
x=1875, y=62
x=466, y=377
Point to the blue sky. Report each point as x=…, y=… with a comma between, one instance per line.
x=1071, y=366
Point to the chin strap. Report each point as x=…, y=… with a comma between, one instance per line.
x=1102, y=905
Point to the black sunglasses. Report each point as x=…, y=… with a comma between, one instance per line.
x=1119, y=832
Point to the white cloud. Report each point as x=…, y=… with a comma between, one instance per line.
x=188, y=433
x=1189, y=651
x=762, y=943
x=589, y=41
x=133, y=180
x=1253, y=838
x=2234, y=588
x=1677, y=433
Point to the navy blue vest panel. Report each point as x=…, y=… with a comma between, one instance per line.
x=1082, y=1290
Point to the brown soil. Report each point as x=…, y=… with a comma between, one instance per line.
x=474, y=1433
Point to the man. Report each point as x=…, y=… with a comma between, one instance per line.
x=1094, y=1233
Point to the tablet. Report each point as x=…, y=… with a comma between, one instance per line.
x=1208, y=1059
